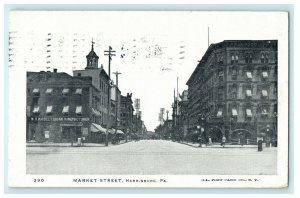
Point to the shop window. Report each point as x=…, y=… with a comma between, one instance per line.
x=49, y=91
x=65, y=110
x=78, y=91
x=49, y=110
x=65, y=91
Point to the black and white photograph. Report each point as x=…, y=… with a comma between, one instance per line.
x=148, y=99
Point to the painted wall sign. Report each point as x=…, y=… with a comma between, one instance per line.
x=59, y=119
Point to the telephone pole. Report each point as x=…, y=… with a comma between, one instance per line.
x=108, y=53
x=117, y=98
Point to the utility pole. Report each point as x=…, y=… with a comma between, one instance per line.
x=108, y=53
x=208, y=37
x=117, y=98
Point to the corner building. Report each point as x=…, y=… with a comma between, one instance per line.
x=233, y=91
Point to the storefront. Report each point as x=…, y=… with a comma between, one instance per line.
x=58, y=129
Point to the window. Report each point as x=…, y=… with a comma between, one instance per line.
x=78, y=74
x=264, y=57
x=49, y=91
x=265, y=74
x=249, y=75
x=49, y=110
x=234, y=112
x=221, y=74
x=248, y=93
x=65, y=110
x=220, y=112
x=248, y=58
x=78, y=110
x=36, y=110
x=264, y=93
x=233, y=73
x=248, y=113
x=264, y=111
x=36, y=91
x=65, y=91
x=78, y=91
x=220, y=93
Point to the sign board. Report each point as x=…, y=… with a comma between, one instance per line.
x=59, y=119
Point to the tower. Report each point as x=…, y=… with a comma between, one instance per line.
x=92, y=59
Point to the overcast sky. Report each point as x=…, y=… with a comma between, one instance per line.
x=152, y=48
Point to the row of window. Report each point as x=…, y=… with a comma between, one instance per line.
x=49, y=91
x=264, y=111
x=248, y=75
x=264, y=57
x=65, y=110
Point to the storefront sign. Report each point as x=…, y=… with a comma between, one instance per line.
x=61, y=119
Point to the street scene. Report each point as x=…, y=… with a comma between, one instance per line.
x=160, y=97
x=151, y=157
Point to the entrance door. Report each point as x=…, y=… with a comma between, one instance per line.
x=71, y=133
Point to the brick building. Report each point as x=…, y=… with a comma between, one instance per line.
x=233, y=91
x=60, y=108
x=126, y=111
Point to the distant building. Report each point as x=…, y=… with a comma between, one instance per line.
x=183, y=114
x=233, y=91
x=126, y=111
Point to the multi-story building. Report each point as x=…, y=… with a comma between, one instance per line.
x=101, y=81
x=183, y=114
x=60, y=108
x=126, y=111
x=233, y=91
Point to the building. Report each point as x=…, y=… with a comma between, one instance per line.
x=60, y=108
x=183, y=114
x=101, y=81
x=126, y=111
x=233, y=91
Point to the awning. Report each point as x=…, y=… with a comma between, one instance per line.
x=78, y=91
x=49, y=90
x=49, y=109
x=36, y=91
x=96, y=128
x=36, y=109
x=65, y=91
x=65, y=109
x=78, y=110
x=120, y=132
x=112, y=131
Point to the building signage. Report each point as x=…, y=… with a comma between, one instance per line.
x=59, y=119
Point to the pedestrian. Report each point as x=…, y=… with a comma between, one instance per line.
x=223, y=141
x=209, y=140
x=259, y=145
x=200, y=141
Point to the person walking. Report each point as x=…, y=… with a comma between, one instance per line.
x=223, y=141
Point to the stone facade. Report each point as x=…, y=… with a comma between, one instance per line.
x=233, y=91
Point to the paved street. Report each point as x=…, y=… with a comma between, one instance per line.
x=150, y=157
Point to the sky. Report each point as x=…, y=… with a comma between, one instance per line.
x=152, y=48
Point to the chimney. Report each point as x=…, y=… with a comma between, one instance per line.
x=55, y=70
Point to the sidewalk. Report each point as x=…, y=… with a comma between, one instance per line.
x=52, y=144
x=218, y=145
